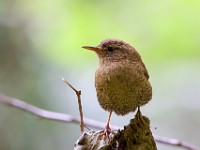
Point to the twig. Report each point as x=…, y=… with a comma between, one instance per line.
x=50, y=115
x=78, y=94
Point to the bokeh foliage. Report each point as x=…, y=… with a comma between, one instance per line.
x=40, y=41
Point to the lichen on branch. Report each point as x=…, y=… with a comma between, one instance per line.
x=135, y=136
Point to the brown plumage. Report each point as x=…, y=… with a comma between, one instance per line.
x=121, y=78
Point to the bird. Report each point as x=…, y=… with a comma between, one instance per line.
x=121, y=78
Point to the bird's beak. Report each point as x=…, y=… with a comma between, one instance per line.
x=96, y=49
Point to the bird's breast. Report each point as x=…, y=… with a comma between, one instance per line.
x=116, y=86
x=116, y=73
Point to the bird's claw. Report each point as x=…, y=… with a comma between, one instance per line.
x=107, y=132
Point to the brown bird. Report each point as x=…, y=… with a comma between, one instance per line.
x=121, y=78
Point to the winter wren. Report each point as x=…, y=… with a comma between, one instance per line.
x=121, y=78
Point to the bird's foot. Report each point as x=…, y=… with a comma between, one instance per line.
x=107, y=132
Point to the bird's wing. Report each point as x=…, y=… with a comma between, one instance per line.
x=137, y=58
x=145, y=70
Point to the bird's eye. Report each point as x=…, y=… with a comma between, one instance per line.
x=110, y=49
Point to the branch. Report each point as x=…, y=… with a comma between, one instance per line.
x=78, y=94
x=174, y=142
x=50, y=115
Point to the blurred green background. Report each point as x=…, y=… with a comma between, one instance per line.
x=40, y=42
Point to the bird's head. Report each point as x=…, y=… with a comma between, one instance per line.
x=113, y=50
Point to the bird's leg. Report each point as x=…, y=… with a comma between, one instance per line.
x=107, y=128
x=139, y=117
x=139, y=114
